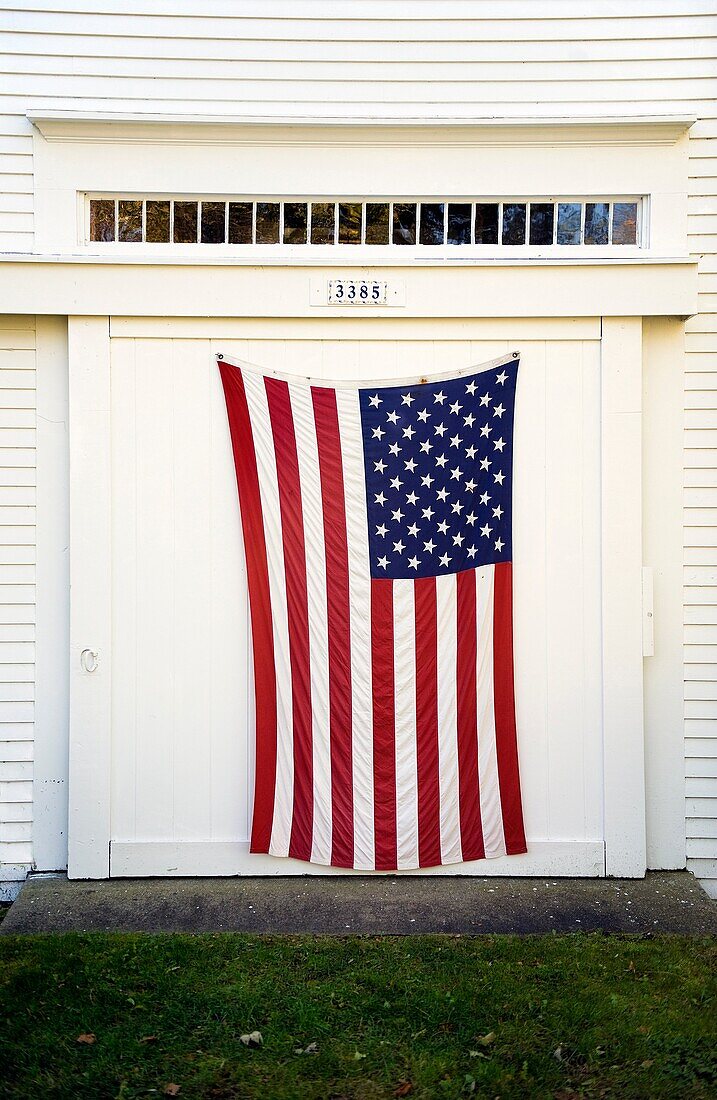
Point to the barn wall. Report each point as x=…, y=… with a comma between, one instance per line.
x=389, y=59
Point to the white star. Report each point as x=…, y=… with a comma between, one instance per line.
x=486, y=430
x=502, y=378
x=472, y=551
x=499, y=477
x=410, y=464
x=485, y=531
x=498, y=512
x=471, y=387
x=485, y=399
x=383, y=562
x=424, y=415
x=498, y=411
x=499, y=444
x=456, y=408
x=382, y=530
x=443, y=527
x=499, y=545
x=484, y=498
x=441, y=460
x=458, y=540
x=470, y=519
x=456, y=441
x=427, y=512
x=399, y=547
x=409, y=432
x=378, y=432
x=457, y=507
x=427, y=481
x=471, y=452
x=396, y=483
x=430, y=546
x=456, y=473
x=469, y=421
x=394, y=449
x=470, y=485
x=413, y=530
x=442, y=494
x=440, y=429
x=439, y=397
x=393, y=417
x=397, y=515
x=407, y=399
x=412, y=498
x=380, y=498
x=444, y=559
x=414, y=563
x=375, y=401
x=485, y=463
x=380, y=466
x=426, y=446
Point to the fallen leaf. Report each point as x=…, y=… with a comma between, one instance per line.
x=149, y=1038
x=647, y=1063
x=558, y=1054
x=486, y=1040
x=476, y=1054
x=358, y=1056
x=253, y=1039
x=87, y=1037
x=403, y=1089
x=172, y=1090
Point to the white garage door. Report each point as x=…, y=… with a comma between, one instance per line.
x=181, y=699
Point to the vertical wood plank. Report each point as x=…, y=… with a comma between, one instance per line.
x=90, y=609
x=623, y=739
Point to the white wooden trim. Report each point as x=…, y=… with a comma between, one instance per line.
x=90, y=611
x=174, y=859
x=623, y=737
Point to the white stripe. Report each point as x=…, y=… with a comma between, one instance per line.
x=269, y=490
x=349, y=414
x=447, y=628
x=490, y=806
x=404, y=649
x=309, y=478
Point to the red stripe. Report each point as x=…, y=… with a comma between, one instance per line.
x=467, y=717
x=504, y=696
x=429, y=796
x=292, y=530
x=338, y=610
x=259, y=602
x=384, y=725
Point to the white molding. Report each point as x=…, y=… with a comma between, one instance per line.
x=90, y=605
x=338, y=256
x=176, y=859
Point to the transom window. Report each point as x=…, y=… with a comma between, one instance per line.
x=161, y=220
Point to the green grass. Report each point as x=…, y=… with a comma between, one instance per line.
x=562, y=1017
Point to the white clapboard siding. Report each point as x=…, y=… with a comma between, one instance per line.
x=382, y=58
x=17, y=596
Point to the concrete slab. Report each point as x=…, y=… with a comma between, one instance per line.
x=662, y=902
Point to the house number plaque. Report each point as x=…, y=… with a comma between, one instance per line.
x=357, y=292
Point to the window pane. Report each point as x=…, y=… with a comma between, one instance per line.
x=102, y=219
x=267, y=223
x=129, y=220
x=157, y=221
x=624, y=223
x=213, y=222
x=404, y=223
x=376, y=223
x=569, y=217
x=431, y=223
x=459, y=223
x=349, y=223
x=322, y=223
x=294, y=223
x=514, y=223
x=486, y=223
x=597, y=215
x=185, y=222
x=541, y=222
x=240, y=222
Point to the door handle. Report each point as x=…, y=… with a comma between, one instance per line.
x=89, y=659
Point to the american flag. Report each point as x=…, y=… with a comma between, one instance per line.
x=377, y=533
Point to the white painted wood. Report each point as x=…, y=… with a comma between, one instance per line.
x=624, y=782
x=90, y=615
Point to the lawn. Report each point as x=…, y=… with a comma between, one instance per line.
x=564, y=1016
